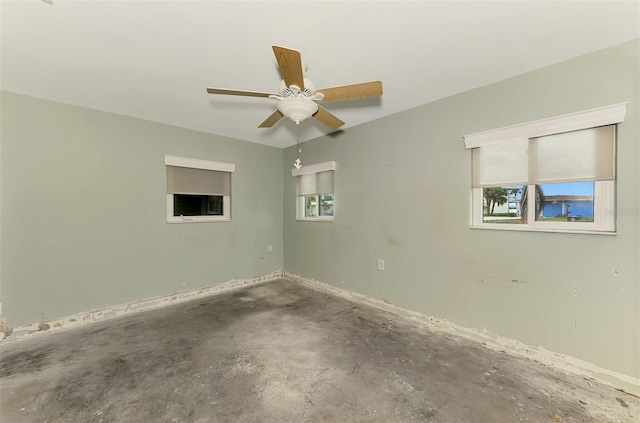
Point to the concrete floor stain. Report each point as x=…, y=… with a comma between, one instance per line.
x=280, y=352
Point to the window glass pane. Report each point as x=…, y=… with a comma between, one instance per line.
x=565, y=202
x=197, y=205
x=503, y=204
x=326, y=205
x=310, y=206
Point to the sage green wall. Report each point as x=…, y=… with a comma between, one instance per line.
x=83, y=215
x=402, y=189
x=84, y=211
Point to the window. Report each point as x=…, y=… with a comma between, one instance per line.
x=553, y=175
x=320, y=205
x=198, y=190
x=315, y=199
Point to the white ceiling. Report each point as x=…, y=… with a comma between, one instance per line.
x=154, y=59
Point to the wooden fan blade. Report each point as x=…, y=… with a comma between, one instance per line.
x=290, y=66
x=271, y=120
x=238, y=92
x=347, y=92
x=326, y=117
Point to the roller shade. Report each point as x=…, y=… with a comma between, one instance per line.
x=579, y=155
x=186, y=180
x=503, y=163
x=315, y=183
x=587, y=154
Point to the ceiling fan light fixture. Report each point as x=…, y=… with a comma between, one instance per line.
x=297, y=108
x=297, y=96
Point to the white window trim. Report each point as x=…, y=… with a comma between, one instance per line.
x=603, y=219
x=301, y=207
x=225, y=217
x=199, y=164
x=300, y=199
x=607, y=115
x=314, y=168
x=604, y=191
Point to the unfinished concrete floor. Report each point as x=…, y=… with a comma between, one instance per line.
x=280, y=352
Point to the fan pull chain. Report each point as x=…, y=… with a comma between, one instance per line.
x=298, y=162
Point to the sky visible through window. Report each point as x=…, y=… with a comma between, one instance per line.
x=568, y=188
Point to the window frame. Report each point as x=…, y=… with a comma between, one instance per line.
x=300, y=199
x=301, y=208
x=603, y=218
x=199, y=164
x=604, y=191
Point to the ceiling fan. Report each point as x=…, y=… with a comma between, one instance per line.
x=298, y=99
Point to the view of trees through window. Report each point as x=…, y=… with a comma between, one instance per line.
x=503, y=204
x=318, y=205
x=561, y=202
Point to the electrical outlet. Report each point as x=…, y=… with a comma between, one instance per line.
x=380, y=264
x=269, y=248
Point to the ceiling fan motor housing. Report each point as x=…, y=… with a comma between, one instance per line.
x=309, y=88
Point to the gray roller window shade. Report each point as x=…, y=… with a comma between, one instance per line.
x=186, y=180
x=504, y=163
x=587, y=155
x=315, y=183
x=584, y=155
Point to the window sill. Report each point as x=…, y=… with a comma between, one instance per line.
x=524, y=228
x=198, y=219
x=315, y=219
